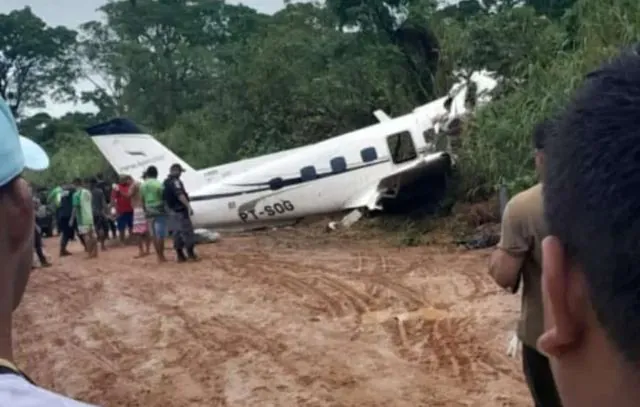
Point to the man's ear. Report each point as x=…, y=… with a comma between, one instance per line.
x=562, y=295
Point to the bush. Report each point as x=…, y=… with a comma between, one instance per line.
x=497, y=144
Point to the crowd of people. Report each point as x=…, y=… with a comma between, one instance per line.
x=145, y=211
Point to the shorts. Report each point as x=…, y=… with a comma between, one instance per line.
x=125, y=221
x=140, y=226
x=158, y=225
x=85, y=229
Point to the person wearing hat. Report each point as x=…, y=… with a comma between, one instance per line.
x=180, y=212
x=17, y=225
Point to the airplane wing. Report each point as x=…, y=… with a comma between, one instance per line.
x=381, y=116
x=438, y=162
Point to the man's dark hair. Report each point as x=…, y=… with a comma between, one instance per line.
x=592, y=194
x=541, y=132
x=152, y=171
x=176, y=167
x=77, y=181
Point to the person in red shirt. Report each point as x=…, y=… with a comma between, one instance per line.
x=121, y=201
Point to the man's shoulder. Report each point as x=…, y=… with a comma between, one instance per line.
x=527, y=199
x=173, y=183
x=17, y=392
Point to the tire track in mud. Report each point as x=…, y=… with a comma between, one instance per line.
x=234, y=337
x=359, y=301
x=114, y=347
x=482, y=286
x=73, y=297
x=446, y=345
x=310, y=286
x=412, y=298
x=221, y=337
x=323, y=288
x=367, y=264
x=442, y=345
x=300, y=288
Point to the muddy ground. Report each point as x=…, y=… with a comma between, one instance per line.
x=279, y=318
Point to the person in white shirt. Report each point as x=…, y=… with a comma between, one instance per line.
x=17, y=226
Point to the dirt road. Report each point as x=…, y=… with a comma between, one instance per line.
x=276, y=319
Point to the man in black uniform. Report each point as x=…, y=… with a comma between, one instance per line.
x=180, y=213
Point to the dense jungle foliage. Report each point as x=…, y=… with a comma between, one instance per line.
x=217, y=82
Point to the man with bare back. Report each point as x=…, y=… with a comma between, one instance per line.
x=140, y=224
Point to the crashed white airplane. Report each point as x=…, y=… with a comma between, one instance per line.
x=366, y=169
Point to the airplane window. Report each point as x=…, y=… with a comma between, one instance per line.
x=308, y=173
x=276, y=183
x=369, y=154
x=401, y=147
x=338, y=164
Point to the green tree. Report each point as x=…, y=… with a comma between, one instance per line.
x=35, y=60
x=161, y=57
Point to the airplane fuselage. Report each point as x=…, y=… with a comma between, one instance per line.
x=326, y=177
x=358, y=169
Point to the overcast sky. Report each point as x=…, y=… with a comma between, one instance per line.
x=75, y=12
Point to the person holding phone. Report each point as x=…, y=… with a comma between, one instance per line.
x=518, y=258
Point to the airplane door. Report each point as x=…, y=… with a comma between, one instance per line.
x=401, y=147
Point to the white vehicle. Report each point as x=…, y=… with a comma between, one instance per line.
x=366, y=169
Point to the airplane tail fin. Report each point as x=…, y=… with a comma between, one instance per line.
x=130, y=151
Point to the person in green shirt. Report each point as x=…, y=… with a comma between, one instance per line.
x=83, y=213
x=153, y=203
x=54, y=197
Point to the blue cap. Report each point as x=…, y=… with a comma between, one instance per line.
x=17, y=153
